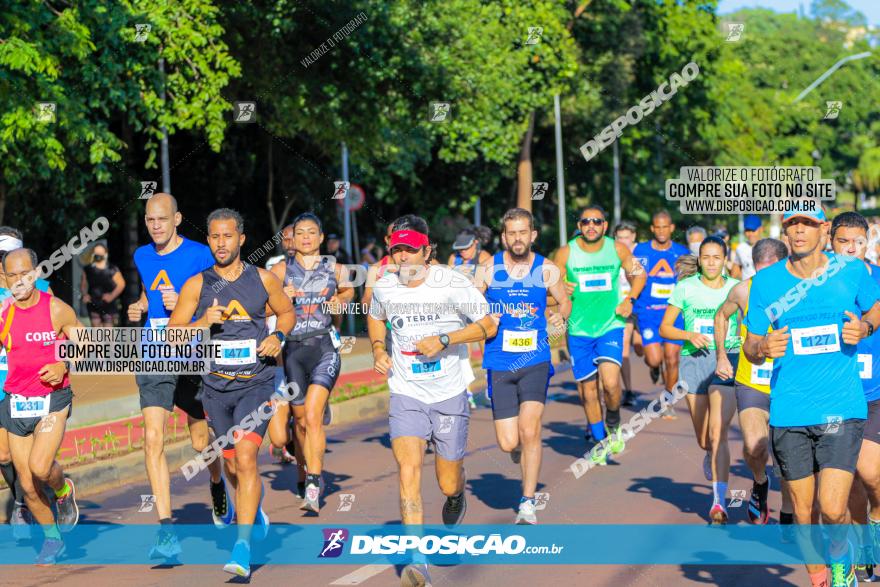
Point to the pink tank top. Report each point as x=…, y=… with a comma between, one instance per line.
x=29, y=339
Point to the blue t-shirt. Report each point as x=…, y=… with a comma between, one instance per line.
x=40, y=284
x=817, y=380
x=168, y=271
x=869, y=355
x=660, y=269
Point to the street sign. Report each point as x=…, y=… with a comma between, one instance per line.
x=356, y=198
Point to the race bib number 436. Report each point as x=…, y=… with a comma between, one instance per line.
x=815, y=340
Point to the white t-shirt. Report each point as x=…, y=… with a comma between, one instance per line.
x=743, y=257
x=435, y=307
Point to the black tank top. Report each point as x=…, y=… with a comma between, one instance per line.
x=240, y=333
x=314, y=287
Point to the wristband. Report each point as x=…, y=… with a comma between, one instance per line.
x=375, y=342
x=279, y=335
x=485, y=334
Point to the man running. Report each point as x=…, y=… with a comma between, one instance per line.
x=164, y=266
x=592, y=263
x=658, y=257
x=743, y=266
x=311, y=354
x=231, y=298
x=425, y=305
x=849, y=237
x=820, y=306
x=752, y=384
x=517, y=358
x=38, y=397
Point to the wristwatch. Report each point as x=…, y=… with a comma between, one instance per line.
x=632, y=300
x=444, y=340
x=280, y=335
x=870, y=328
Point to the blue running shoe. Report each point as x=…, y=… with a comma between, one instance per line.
x=240, y=563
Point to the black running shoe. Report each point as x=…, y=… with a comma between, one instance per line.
x=454, y=509
x=655, y=375
x=759, y=513
x=629, y=398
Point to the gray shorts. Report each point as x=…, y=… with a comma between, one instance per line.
x=749, y=397
x=446, y=422
x=697, y=371
x=167, y=391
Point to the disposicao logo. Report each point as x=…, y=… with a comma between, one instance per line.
x=334, y=541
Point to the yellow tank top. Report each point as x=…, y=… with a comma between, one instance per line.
x=756, y=376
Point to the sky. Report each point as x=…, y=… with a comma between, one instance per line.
x=870, y=8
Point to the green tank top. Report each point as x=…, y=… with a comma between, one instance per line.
x=596, y=294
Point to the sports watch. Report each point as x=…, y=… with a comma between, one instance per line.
x=444, y=340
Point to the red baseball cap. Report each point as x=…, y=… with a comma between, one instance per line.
x=409, y=238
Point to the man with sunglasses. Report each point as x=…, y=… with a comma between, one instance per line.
x=820, y=306
x=591, y=262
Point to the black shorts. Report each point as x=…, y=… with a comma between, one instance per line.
x=313, y=361
x=872, y=426
x=509, y=389
x=167, y=391
x=749, y=397
x=802, y=451
x=59, y=401
x=103, y=308
x=239, y=414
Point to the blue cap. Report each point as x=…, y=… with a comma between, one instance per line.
x=752, y=222
x=817, y=214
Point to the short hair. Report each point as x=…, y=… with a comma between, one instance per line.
x=767, y=249
x=518, y=214
x=10, y=231
x=849, y=220
x=696, y=229
x=661, y=214
x=595, y=207
x=31, y=253
x=410, y=222
x=226, y=214
x=716, y=240
x=308, y=217
x=625, y=225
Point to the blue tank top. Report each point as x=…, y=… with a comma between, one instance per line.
x=869, y=355
x=521, y=340
x=660, y=269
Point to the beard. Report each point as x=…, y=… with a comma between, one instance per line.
x=232, y=258
x=519, y=256
x=591, y=241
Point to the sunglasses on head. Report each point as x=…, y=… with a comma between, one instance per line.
x=596, y=221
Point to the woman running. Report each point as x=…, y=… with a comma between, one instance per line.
x=712, y=401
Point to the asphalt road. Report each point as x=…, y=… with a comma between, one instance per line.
x=657, y=480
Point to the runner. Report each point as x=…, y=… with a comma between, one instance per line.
x=658, y=257
x=814, y=302
x=625, y=234
x=711, y=399
x=517, y=358
x=468, y=253
x=695, y=235
x=752, y=384
x=164, y=266
x=743, y=267
x=849, y=237
x=311, y=353
x=37, y=400
x=101, y=284
x=231, y=298
x=592, y=264
x=21, y=518
x=426, y=305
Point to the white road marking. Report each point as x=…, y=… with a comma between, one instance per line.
x=360, y=575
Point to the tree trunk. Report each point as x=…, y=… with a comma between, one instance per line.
x=130, y=232
x=524, y=168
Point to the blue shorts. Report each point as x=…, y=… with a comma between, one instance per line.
x=587, y=352
x=648, y=322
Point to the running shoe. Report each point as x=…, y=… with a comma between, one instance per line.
x=865, y=573
x=718, y=514
x=786, y=528
x=843, y=575
x=300, y=489
x=516, y=455
x=261, y=523
x=616, y=441
x=707, y=466
x=669, y=413
x=223, y=510
x=629, y=398
x=415, y=576
x=68, y=511
x=312, y=498
x=21, y=522
x=655, y=375
x=52, y=549
x=328, y=415
x=240, y=563
x=471, y=401
x=455, y=507
x=167, y=545
x=759, y=511
x=599, y=454
x=526, y=514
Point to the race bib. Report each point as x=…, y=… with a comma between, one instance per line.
x=159, y=323
x=28, y=407
x=424, y=370
x=866, y=366
x=661, y=290
x=4, y=363
x=815, y=340
x=237, y=352
x=704, y=326
x=594, y=282
x=520, y=341
x=761, y=373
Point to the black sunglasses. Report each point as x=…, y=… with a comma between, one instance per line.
x=596, y=221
